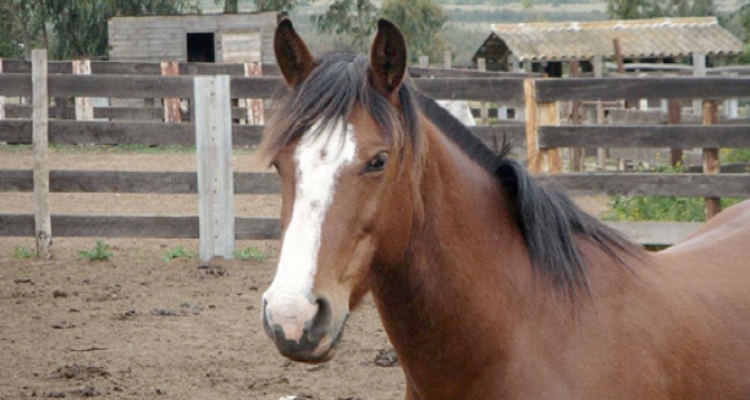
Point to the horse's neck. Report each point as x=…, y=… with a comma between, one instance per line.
x=453, y=292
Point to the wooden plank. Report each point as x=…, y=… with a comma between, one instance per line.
x=213, y=131
x=653, y=184
x=121, y=86
x=122, y=113
x=142, y=226
x=186, y=227
x=711, y=156
x=40, y=139
x=257, y=87
x=655, y=233
x=158, y=182
x=643, y=88
x=686, y=136
x=465, y=73
x=497, y=90
x=15, y=85
x=118, y=132
x=141, y=68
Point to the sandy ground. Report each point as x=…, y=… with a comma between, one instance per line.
x=137, y=327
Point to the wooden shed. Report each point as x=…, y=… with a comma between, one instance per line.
x=544, y=46
x=231, y=38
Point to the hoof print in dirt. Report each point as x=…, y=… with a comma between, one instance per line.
x=386, y=358
x=64, y=325
x=213, y=270
x=59, y=294
x=77, y=371
x=301, y=396
x=126, y=316
x=160, y=312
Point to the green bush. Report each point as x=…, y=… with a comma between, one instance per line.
x=100, y=253
x=250, y=253
x=178, y=252
x=661, y=208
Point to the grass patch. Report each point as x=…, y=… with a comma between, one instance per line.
x=100, y=252
x=251, y=253
x=20, y=252
x=178, y=252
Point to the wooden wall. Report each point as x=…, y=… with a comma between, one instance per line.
x=160, y=38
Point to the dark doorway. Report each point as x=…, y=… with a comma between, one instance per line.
x=200, y=47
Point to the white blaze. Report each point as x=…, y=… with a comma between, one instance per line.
x=319, y=159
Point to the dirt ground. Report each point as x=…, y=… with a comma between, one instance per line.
x=137, y=326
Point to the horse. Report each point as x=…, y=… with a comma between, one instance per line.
x=489, y=284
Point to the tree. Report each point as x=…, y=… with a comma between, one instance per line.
x=77, y=28
x=357, y=24
x=421, y=22
x=231, y=7
x=10, y=45
x=634, y=9
x=275, y=5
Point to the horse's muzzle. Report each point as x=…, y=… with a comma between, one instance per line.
x=302, y=330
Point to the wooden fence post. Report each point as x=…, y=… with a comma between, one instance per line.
x=2, y=98
x=40, y=139
x=255, y=112
x=483, y=112
x=674, y=117
x=540, y=161
x=172, y=111
x=424, y=61
x=213, y=138
x=84, y=106
x=579, y=153
x=711, y=157
x=601, y=153
x=699, y=69
x=447, y=60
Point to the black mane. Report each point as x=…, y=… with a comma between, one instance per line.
x=549, y=221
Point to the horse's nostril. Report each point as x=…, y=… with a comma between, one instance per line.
x=322, y=320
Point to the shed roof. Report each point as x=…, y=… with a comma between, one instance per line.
x=643, y=38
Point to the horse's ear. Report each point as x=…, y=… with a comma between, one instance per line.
x=388, y=59
x=292, y=55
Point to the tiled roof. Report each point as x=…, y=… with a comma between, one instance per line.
x=659, y=37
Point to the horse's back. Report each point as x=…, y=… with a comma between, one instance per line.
x=709, y=270
x=730, y=228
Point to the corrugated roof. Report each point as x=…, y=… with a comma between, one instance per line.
x=643, y=38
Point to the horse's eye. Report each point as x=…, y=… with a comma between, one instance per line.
x=377, y=163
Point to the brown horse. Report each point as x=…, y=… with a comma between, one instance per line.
x=489, y=284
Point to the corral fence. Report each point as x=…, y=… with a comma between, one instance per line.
x=542, y=134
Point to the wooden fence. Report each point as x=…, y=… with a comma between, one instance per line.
x=542, y=135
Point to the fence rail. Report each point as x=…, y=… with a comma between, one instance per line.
x=542, y=133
